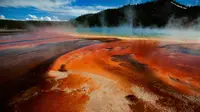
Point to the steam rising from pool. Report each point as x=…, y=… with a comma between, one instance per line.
x=178, y=33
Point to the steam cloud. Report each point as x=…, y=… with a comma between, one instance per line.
x=175, y=28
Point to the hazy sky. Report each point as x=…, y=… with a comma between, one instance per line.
x=55, y=10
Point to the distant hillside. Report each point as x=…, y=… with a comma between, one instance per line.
x=155, y=13
x=13, y=24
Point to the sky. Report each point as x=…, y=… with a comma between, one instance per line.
x=62, y=10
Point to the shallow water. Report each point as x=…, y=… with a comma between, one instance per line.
x=122, y=31
x=177, y=33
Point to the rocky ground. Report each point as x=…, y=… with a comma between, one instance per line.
x=99, y=74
